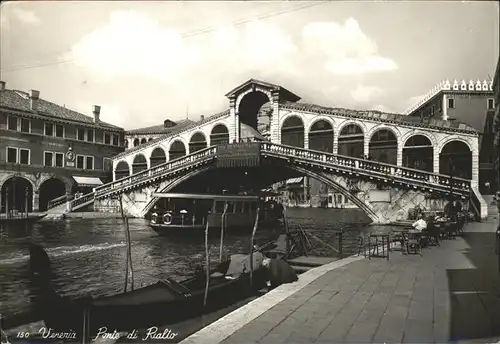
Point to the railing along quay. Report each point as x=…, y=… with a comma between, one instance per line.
x=404, y=175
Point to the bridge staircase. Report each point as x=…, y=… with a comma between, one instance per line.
x=306, y=158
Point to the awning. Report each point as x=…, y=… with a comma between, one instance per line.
x=87, y=181
x=295, y=180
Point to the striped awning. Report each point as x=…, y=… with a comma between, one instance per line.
x=87, y=181
x=295, y=180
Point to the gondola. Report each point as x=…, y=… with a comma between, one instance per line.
x=163, y=303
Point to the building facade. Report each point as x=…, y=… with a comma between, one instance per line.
x=469, y=102
x=496, y=124
x=136, y=137
x=48, y=151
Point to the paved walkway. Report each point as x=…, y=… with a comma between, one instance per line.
x=449, y=293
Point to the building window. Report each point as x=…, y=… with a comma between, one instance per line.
x=107, y=138
x=115, y=140
x=25, y=125
x=59, y=159
x=491, y=104
x=24, y=156
x=80, y=162
x=48, y=159
x=107, y=164
x=59, y=130
x=12, y=155
x=451, y=103
x=49, y=129
x=80, y=134
x=12, y=123
x=90, y=135
x=89, y=162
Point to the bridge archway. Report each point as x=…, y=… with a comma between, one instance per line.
x=136, y=142
x=17, y=192
x=150, y=139
x=219, y=135
x=351, y=141
x=321, y=136
x=252, y=112
x=197, y=142
x=418, y=153
x=177, y=150
x=455, y=159
x=122, y=170
x=292, y=132
x=49, y=190
x=140, y=163
x=158, y=156
x=383, y=146
x=144, y=140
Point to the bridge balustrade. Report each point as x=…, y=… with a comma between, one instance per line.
x=369, y=165
x=334, y=160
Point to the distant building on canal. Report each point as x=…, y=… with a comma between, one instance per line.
x=470, y=102
x=496, y=124
x=49, y=151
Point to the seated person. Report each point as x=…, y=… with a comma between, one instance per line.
x=280, y=272
x=420, y=225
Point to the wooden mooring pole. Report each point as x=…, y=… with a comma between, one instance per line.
x=222, y=230
x=128, y=264
x=256, y=224
x=207, y=266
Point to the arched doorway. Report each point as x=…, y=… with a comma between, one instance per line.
x=455, y=159
x=144, y=140
x=219, y=135
x=320, y=139
x=255, y=111
x=351, y=141
x=140, y=164
x=122, y=170
x=177, y=150
x=292, y=132
x=158, y=156
x=17, y=195
x=49, y=190
x=197, y=142
x=321, y=136
x=136, y=142
x=384, y=147
x=418, y=153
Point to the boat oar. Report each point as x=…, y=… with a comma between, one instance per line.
x=222, y=229
x=251, y=245
x=207, y=267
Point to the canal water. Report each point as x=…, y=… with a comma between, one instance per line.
x=88, y=255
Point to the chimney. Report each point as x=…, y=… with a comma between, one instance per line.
x=96, y=110
x=34, y=96
x=2, y=85
x=202, y=117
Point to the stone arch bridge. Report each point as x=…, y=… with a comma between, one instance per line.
x=376, y=159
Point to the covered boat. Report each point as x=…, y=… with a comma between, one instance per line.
x=163, y=303
x=187, y=213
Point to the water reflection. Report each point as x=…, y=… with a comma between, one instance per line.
x=88, y=255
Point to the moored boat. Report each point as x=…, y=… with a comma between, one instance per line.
x=163, y=303
x=26, y=218
x=189, y=213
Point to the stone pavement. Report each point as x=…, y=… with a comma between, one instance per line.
x=448, y=293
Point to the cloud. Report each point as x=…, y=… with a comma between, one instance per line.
x=133, y=44
x=26, y=17
x=415, y=99
x=365, y=93
x=348, y=50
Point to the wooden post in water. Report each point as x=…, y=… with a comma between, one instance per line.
x=207, y=266
x=26, y=193
x=222, y=230
x=287, y=234
x=7, y=202
x=256, y=224
x=129, y=249
x=85, y=326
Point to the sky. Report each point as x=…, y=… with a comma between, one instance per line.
x=144, y=62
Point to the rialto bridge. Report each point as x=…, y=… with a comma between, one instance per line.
x=384, y=163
